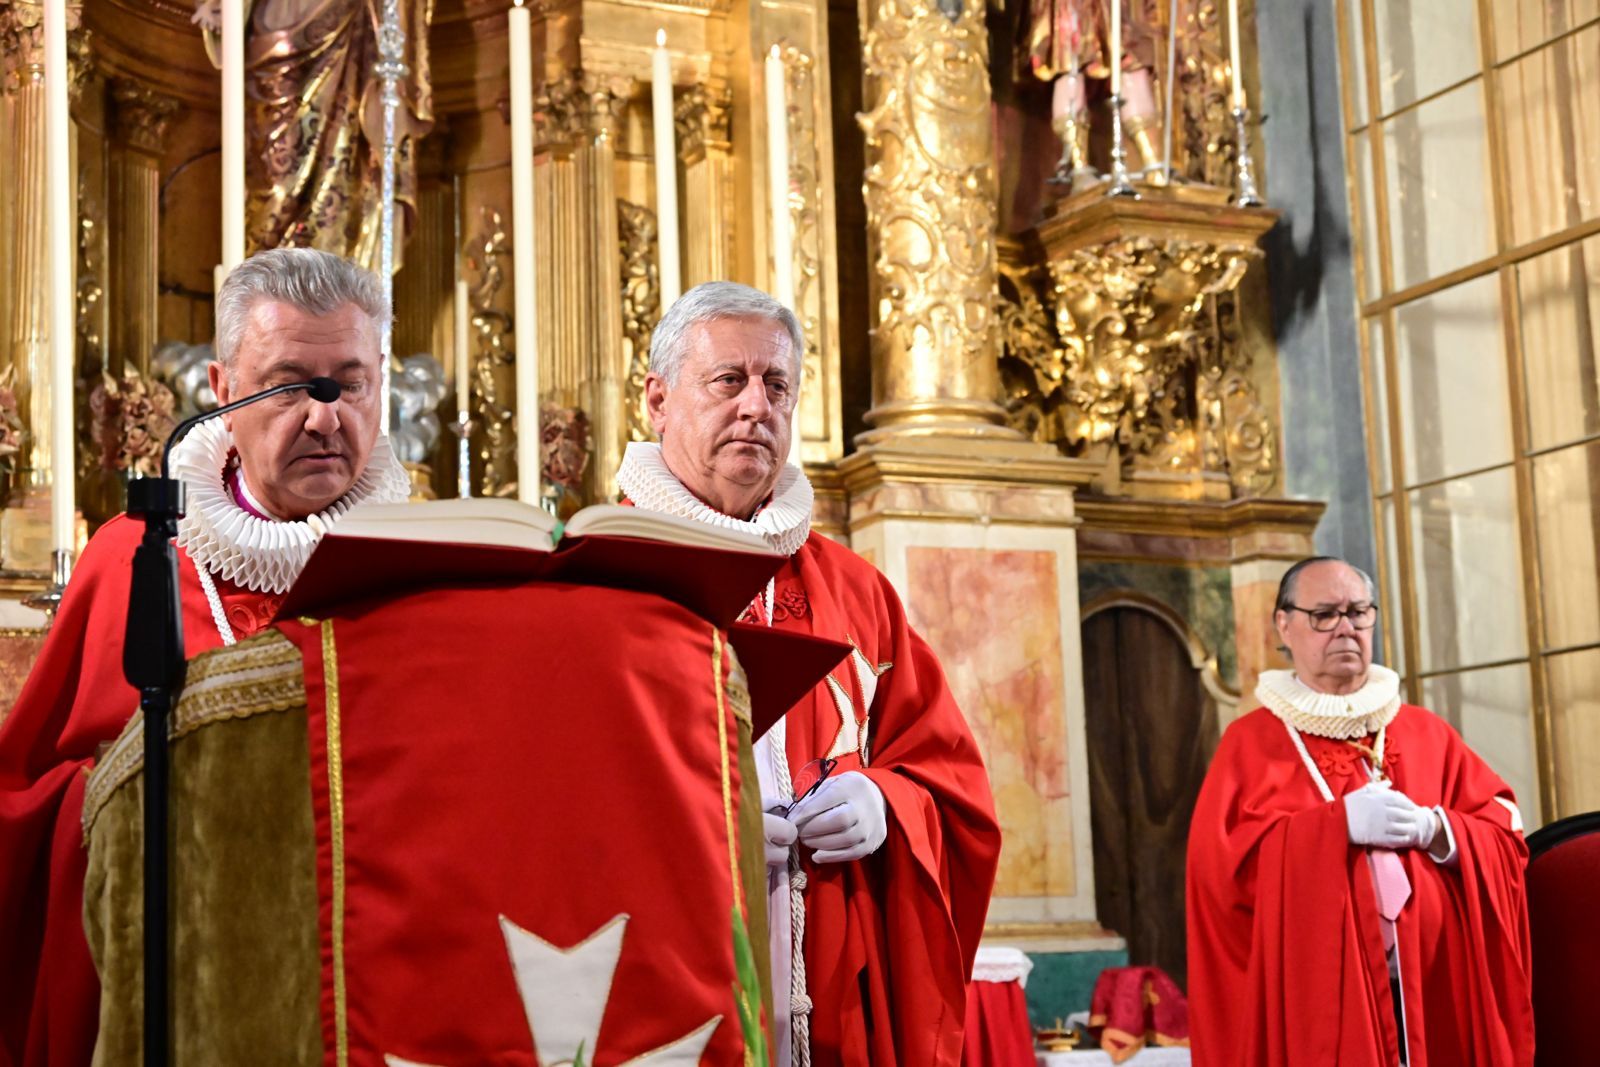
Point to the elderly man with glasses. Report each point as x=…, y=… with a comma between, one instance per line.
x=1355, y=871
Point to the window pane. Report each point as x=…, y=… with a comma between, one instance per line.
x=1467, y=566
x=1558, y=295
x=1437, y=164
x=1574, y=684
x=1389, y=594
x=1355, y=75
x=1378, y=417
x=1565, y=488
x=1552, y=124
x=1453, y=411
x=1523, y=24
x=1366, y=208
x=1493, y=710
x=1423, y=46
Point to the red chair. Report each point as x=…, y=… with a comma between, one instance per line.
x=1563, y=871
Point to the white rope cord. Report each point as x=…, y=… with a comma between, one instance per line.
x=1311, y=764
x=799, y=1002
x=218, y=615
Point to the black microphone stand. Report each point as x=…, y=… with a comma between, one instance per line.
x=153, y=662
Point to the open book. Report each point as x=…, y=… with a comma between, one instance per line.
x=513, y=524
x=387, y=550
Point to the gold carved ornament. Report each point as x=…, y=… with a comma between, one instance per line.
x=929, y=187
x=641, y=307
x=1138, y=356
x=805, y=217
x=492, y=357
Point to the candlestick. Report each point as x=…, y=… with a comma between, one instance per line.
x=462, y=427
x=1120, y=185
x=666, y=138
x=61, y=223
x=1247, y=196
x=1116, y=49
x=1233, y=54
x=463, y=349
x=233, y=190
x=524, y=255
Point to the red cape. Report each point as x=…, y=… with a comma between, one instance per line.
x=890, y=939
x=75, y=699
x=1286, y=959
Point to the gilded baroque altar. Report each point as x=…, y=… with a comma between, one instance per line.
x=1013, y=387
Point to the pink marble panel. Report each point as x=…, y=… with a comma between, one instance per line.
x=994, y=619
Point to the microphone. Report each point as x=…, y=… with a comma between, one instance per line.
x=322, y=390
x=153, y=662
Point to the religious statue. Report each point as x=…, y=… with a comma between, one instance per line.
x=315, y=125
x=1068, y=42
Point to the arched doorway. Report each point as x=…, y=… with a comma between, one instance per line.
x=1152, y=727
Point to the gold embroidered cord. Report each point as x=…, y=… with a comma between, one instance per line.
x=727, y=777
x=330, y=678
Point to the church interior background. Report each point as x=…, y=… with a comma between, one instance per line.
x=1083, y=433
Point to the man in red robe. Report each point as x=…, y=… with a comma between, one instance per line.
x=1355, y=871
x=263, y=484
x=876, y=915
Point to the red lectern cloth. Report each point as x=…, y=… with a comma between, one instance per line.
x=544, y=756
x=1136, y=1006
x=998, y=1031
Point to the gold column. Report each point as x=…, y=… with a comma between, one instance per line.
x=930, y=196
x=140, y=125
x=27, y=263
x=705, y=144
x=606, y=370
x=561, y=221
x=24, y=346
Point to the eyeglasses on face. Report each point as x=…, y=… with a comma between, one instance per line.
x=1324, y=620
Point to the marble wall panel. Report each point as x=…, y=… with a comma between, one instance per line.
x=993, y=618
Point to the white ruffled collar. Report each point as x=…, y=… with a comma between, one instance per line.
x=785, y=523
x=245, y=549
x=1340, y=717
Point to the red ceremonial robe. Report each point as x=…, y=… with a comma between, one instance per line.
x=889, y=939
x=75, y=700
x=1286, y=957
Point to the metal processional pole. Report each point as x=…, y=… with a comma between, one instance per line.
x=390, y=68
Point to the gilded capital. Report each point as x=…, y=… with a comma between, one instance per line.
x=558, y=111
x=704, y=119
x=930, y=198
x=607, y=99
x=142, y=114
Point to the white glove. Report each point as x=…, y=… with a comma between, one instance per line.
x=779, y=832
x=1380, y=816
x=843, y=820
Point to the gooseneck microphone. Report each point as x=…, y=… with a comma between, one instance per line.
x=153, y=662
x=322, y=390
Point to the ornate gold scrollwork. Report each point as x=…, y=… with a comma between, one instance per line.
x=641, y=307
x=1133, y=349
x=930, y=199
x=492, y=359
x=704, y=119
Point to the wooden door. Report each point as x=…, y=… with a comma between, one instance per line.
x=1151, y=731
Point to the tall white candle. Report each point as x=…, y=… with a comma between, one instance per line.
x=782, y=237
x=59, y=213
x=778, y=173
x=1116, y=47
x=233, y=193
x=463, y=347
x=666, y=170
x=524, y=256
x=1233, y=53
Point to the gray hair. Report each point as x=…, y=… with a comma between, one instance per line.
x=315, y=282
x=716, y=300
x=1291, y=579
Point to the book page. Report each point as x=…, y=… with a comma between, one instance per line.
x=617, y=520
x=473, y=521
